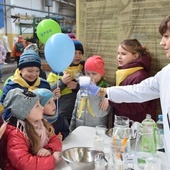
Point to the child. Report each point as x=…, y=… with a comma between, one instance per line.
x=18, y=49
x=47, y=100
x=68, y=83
x=134, y=63
x=2, y=60
x=88, y=112
x=3, y=126
x=34, y=47
x=25, y=77
x=30, y=139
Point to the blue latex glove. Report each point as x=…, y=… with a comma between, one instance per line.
x=92, y=88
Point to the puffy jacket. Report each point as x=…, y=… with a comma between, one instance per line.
x=14, y=52
x=12, y=85
x=136, y=111
x=18, y=156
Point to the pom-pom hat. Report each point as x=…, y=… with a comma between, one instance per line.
x=95, y=63
x=29, y=59
x=20, y=102
x=78, y=45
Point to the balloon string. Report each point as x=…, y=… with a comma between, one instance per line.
x=57, y=97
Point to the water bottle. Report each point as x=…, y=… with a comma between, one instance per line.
x=160, y=136
x=149, y=135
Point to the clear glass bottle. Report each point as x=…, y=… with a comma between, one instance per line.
x=149, y=135
x=160, y=136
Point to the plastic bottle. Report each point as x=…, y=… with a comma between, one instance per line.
x=160, y=136
x=149, y=135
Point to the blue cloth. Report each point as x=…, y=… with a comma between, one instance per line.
x=60, y=126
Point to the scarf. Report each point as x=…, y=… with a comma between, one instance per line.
x=17, y=78
x=86, y=101
x=51, y=118
x=122, y=74
x=39, y=128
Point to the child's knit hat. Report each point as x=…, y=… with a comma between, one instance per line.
x=45, y=95
x=78, y=45
x=95, y=63
x=29, y=59
x=20, y=102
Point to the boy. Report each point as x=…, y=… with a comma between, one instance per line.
x=47, y=100
x=68, y=83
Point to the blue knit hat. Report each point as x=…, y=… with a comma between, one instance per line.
x=45, y=95
x=78, y=45
x=29, y=59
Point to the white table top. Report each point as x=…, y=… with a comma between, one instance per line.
x=83, y=136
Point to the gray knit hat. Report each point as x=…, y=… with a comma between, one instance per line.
x=20, y=102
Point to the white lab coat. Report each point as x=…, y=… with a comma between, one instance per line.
x=149, y=89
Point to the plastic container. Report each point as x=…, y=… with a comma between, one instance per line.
x=160, y=137
x=149, y=135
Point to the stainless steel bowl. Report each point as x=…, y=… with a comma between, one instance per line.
x=80, y=158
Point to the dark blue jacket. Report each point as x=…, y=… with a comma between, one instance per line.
x=12, y=85
x=60, y=126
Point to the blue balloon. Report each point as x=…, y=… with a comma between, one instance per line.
x=59, y=52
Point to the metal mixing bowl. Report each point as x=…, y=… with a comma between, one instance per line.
x=80, y=158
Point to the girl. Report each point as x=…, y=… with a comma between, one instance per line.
x=30, y=140
x=134, y=63
x=93, y=110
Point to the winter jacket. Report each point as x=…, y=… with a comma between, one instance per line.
x=91, y=114
x=18, y=156
x=60, y=126
x=11, y=84
x=136, y=111
x=68, y=96
x=14, y=52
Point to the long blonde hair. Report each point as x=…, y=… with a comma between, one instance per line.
x=33, y=135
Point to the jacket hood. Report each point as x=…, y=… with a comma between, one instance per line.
x=144, y=62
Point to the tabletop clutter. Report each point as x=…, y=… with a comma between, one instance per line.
x=133, y=146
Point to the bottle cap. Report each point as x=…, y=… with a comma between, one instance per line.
x=160, y=116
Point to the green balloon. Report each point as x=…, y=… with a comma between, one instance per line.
x=46, y=28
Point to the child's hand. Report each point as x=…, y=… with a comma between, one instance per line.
x=60, y=136
x=57, y=156
x=57, y=93
x=104, y=104
x=66, y=78
x=3, y=128
x=43, y=152
x=72, y=85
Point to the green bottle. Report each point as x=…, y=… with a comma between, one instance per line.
x=149, y=135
